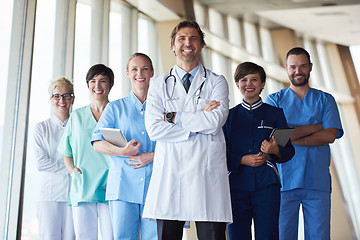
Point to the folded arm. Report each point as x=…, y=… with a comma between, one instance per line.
x=319, y=138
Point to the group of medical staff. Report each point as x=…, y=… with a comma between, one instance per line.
x=82, y=190
x=87, y=183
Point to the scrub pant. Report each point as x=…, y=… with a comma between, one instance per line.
x=86, y=218
x=316, y=210
x=126, y=218
x=173, y=230
x=263, y=206
x=55, y=221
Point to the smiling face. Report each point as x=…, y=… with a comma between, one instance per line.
x=250, y=87
x=187, y=46
x=298, y=69
x=99, y=87
x=139, y=71
x=62, y=105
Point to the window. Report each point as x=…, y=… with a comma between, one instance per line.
x=119, y=43
x=355, y=54
x=5, y=25
x=82, y=54
x=216, y=23
x=40, y=108
x=147, y=30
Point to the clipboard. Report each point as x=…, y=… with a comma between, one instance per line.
x=282, y=135
x=114, y=136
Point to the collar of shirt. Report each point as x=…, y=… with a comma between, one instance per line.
x=134, y=100
x=254, y=106
x=58, y=122
x=181, y=73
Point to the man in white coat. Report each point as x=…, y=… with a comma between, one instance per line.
x=186, y=109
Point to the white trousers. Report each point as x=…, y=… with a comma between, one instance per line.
x=87, y=216
x=55, y=221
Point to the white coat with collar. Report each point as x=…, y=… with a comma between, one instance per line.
x=189, y=180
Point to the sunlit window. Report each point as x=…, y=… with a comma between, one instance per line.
x=355, y=54
x=235, y=94
x=200, y=14
x=40, y=107
x=147, y=30
x=119, y=37
x=234, y=31
x=5, y=26
x=216, y=23
x=82, y=54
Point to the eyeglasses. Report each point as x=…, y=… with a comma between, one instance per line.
x=66, y=96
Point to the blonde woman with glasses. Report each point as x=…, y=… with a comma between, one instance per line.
x=54, y=216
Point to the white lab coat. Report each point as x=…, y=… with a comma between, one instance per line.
x=54, y=179
x=189, y=180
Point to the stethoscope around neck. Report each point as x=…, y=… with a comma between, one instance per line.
x=171, y=97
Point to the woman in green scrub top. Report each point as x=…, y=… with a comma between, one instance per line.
x=88, y=169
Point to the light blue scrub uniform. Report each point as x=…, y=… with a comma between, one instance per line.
x=306, y=176
x=127, y=187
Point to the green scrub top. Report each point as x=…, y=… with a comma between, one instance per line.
x=90, y=186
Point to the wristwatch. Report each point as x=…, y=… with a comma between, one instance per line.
x=169, y=117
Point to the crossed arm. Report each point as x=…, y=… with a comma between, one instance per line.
x=313, y=135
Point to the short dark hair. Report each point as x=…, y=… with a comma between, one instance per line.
x=137, y=54
x=190, y=24
x=98, y=69
x=297, y=51
x=247, y=68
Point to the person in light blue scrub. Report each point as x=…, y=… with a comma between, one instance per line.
x=131, y=166
x=306, y=177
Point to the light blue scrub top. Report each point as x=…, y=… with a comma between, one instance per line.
x=89, y=186
x=124, y=182
x=309, y=168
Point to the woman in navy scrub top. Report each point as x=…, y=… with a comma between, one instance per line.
x=254, y=181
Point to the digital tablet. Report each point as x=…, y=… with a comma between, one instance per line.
x=114, y=136
x=282, y=135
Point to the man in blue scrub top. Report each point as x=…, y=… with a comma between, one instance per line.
x=306, y=177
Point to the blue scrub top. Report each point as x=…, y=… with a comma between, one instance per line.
x=124, y=182
x=245, y=129
x=309, y=168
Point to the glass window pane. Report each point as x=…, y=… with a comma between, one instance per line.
x=40, y=108
x=82, y=54
x=147, y=30
x=355, y=54
x=234, y=92
x=216, y=23
x=119, y=17
x=234, y=31
x=5, y=26
x=199, y=14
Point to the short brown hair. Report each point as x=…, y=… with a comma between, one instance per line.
x=189, y=24
x=247, y=68
x=98, y=69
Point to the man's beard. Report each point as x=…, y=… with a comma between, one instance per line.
x=299, y=84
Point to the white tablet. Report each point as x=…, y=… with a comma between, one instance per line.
x=114, y=136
